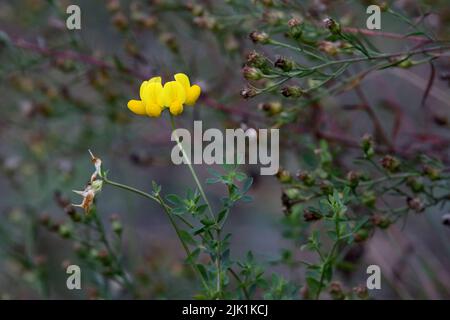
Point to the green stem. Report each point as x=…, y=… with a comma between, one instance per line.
x=205, y=199
x=167, y=210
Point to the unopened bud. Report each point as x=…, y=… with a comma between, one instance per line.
x=292, y=91
x=271, y=108
x=295, y=28
x=284, y=64
x=306, y=178
x=332, y=25
x=415, y=184
x=326, y=187
x=336, y=291
x=431, y=172
x=415, y=204
x=311, y=215
x=381, y=221
x=361, y=292
x=353, y=178
x=390, y=163
x=369, y=199
x=251, y=73
x=367, y=145
x=361, y=235
x=247, y=93
x=259, y=37
x=284, y=176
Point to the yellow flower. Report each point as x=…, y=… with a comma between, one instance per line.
x=192, y=92
x=173, y=95
x=150, y=103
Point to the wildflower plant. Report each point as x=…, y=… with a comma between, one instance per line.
x=363, y=140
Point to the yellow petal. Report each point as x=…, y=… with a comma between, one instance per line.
x=137, y=107
x=141, y=90
x=183, y=80
x=172, y=92
x=153, y=110
x=192, y=94
x=154, y=89
x=151, y=92
x=176, y=108
x=155, y=79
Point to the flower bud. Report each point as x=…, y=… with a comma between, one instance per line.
x=390, y=163
x=271, y=108
x=381, y=221
x=369, y=199
x=361, y=292
x=328, y=47
x=259, y=37
x=306, y=178
x=415, y=184
x=65, y=231
x=326, y=187
x=292, y=91
x=120, y=21
x=353, y=178
x=432, y=173
x=295, y=28
x=113, y=5
x=247, y=93
x=361, y=235
x=284, y=176
x=332, y=25
x=284, y=64
x=367, y=145
x=117, y=227
x=415, y=204
x=311, y=215
x=251, y=73
x=336, y=291
x=257, y=60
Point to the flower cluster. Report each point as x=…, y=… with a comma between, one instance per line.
x=173, y=95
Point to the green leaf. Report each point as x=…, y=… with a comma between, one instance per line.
x=201, y=268
x=222, y=214
x=186, y=237
x=247, y=184
x=174, y=199
x=240, y=176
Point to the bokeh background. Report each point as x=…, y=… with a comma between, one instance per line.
x=64, y=92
